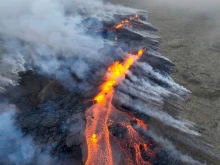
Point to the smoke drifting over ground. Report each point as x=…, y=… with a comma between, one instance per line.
x=206, y=9
x=54, y=39
x=15, y=147
x=37, y=32
x=172, y=149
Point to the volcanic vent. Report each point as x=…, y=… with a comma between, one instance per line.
x=104, y=119
x=95, y=91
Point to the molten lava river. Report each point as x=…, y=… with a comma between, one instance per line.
x=102, y=114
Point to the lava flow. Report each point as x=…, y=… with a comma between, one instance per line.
x=130, y=22
x=127, y=21
x=99, y=150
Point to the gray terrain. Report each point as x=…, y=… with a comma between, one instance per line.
x=190, y=37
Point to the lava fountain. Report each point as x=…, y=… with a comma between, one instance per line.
x=98, y=116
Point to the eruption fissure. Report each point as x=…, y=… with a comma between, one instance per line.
x=127, y=21
x=130, y=22
x=47, y=59
x=99, y=119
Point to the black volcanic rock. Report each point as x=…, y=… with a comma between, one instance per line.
x=57, y=124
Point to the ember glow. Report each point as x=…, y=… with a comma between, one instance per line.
x=127, y=22
x=130, y=22
x=99, y=119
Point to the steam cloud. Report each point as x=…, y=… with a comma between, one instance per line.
x=49, y=36
x=160, y=115
x=167, y=145
x=14, y=146
x=35, y=33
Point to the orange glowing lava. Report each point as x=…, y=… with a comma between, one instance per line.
x=99, y=151
x=126, y=22
x=141, y=124
x=130, y=22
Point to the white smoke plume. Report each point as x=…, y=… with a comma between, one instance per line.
x=144, y=89
x=36, y=33
x=50, y=35
x=45, y=22
x=162, y=116
x=15, y=148
x=149, y=70
x=168, y=146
